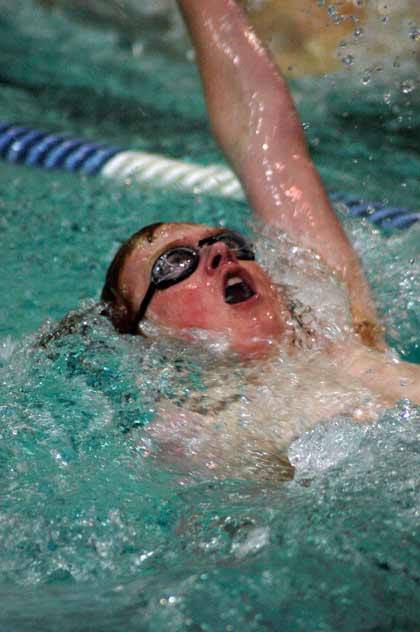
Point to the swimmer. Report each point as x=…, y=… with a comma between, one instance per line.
x=194, y=282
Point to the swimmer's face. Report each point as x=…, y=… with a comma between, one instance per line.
x=224, y=295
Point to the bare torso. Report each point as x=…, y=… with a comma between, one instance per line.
x=243, y=426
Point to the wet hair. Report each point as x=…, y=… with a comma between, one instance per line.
x=115, y=306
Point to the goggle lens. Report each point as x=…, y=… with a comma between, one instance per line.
x=173, y=266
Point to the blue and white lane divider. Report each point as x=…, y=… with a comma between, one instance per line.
x=34, y=148
x=376, y=212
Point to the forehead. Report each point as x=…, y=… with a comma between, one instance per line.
x=171, y=234
x=168, y=234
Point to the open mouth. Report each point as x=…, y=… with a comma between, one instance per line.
x=237, y=289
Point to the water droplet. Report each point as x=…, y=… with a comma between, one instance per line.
x=336, y=17
x=408, y=86
x=348, y=60
x=137, y=49
x=366, y=77
x=414, y=33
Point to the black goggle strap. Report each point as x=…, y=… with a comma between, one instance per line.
x=143, y=307
x=207, y=241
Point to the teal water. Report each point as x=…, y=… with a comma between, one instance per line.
x=97, y=535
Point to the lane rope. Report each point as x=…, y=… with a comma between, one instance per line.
x=34, y=148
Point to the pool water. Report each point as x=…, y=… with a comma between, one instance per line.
x=98, y=534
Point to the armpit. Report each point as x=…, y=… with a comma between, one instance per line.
x=371, y=334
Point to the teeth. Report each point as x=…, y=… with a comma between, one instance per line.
x=233, y=281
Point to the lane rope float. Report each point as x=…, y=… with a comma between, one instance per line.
x=35, y=148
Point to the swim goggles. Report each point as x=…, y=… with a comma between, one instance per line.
x=180, y=262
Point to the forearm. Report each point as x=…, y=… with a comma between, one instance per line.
x=256, y=123
x=254, y=118
x=238, y=75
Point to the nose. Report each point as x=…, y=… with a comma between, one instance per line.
x=217, y=254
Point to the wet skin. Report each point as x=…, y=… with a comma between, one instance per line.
x=254, y=119
x=251, y=327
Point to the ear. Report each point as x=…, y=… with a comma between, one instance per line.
x=119, y=315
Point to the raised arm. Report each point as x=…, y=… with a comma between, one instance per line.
x=257, y=126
